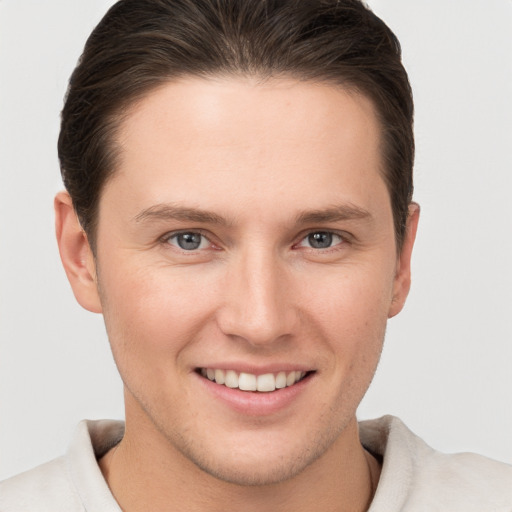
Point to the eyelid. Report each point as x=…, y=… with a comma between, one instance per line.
x=345, y=238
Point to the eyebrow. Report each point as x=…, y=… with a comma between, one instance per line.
x=174, y=212
x=334, y=214
x=167, y=211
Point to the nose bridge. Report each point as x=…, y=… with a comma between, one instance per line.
x=258, y=306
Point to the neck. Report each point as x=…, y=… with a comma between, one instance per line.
x=145, y=472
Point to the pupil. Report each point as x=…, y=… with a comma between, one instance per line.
x=320, y=240
x=189, y=241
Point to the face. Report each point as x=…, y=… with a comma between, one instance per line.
x=246, y=266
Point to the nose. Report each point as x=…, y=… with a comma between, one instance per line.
x=258, y=304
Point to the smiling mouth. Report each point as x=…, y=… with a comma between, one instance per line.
x=265, y=383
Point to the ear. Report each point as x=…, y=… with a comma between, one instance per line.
x=76, y=254
x=402, y=282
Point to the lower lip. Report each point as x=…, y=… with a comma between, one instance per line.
x=254, y=403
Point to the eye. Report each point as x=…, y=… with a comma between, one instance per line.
x=189, y=241
x=321, y=240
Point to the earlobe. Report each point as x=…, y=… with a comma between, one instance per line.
x=402, y=282
x=76, y=254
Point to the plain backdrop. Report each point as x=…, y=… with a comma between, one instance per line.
x=446, y=367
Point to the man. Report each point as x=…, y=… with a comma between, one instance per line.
x=239, y=208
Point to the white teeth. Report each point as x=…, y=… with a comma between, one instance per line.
x=231, y=380
x=281, y=380
x=248, y=382
x=219, y=376
x=266, y=382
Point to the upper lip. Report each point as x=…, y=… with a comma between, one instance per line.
x=254, y=369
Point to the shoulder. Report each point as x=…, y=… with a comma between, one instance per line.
x=44, y=488
x=417, y=477
x=72, y=483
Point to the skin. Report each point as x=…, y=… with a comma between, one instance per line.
x=271, y=163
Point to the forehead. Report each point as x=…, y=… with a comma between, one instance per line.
x=198, y=141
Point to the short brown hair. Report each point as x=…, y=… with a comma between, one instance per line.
x=140, y=44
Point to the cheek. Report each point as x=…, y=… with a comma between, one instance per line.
x=351, y=314
x=357, y=325
x=152, y=313
x=352, y=300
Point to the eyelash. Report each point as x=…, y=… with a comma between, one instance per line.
x=341, y=240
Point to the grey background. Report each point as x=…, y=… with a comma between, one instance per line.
x=446, y=365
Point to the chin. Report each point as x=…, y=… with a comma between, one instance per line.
x=257, y=472
x=251, y=463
